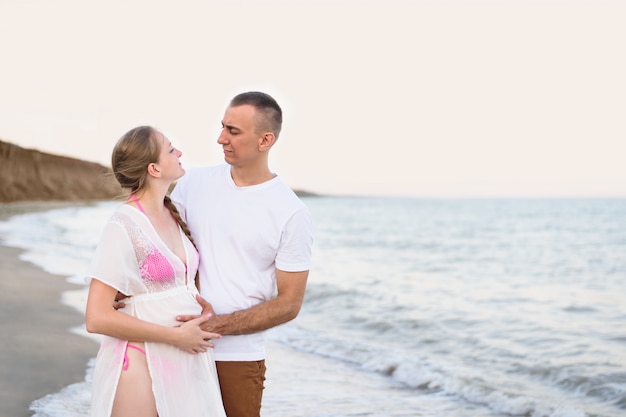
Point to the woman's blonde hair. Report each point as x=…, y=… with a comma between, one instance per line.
x=132, y=154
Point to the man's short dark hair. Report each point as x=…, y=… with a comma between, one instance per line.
x=269, y=109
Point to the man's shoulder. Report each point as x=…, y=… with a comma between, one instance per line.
x=206, y=170
x=286, y=197
x=204, y=173
x=194, y=178
x=287, y=191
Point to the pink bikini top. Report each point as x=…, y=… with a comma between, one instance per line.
x=155, y=267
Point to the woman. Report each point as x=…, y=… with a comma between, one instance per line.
x=148, y=364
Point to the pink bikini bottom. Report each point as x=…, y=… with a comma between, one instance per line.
x=126, y=361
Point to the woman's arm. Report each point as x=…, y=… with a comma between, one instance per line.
x=102, y=318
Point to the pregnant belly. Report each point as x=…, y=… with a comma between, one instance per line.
x=162, y=308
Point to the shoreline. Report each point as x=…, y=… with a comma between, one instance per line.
x=39, y=354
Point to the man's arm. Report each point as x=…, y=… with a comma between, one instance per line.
x=280, y=309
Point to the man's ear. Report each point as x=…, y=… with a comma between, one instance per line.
x=266, y=141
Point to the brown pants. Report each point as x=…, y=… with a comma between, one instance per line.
x=242, y=387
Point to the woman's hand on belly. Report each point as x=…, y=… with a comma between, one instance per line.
x=191, y=338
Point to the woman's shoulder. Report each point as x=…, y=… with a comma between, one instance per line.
x=126, y=216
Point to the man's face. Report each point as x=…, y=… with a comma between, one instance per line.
x=239, y=138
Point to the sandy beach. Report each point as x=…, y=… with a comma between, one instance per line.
x=38, y=354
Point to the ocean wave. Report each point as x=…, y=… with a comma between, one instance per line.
x=479, y=304
x=473, y=385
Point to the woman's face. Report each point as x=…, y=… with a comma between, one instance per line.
x=169, y=164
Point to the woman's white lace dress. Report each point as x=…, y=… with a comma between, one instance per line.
x=132, y=258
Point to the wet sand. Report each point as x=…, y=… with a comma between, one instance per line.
x=38, y=355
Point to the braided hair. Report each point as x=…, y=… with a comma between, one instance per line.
x=172, y=208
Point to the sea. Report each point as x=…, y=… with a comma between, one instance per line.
x=419, y=307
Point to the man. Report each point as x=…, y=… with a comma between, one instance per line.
x=254, y=236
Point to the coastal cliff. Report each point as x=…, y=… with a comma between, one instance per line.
x=31, y=175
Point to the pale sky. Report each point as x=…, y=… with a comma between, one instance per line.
x=387, y=97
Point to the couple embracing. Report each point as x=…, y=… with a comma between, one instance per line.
x=201, y=275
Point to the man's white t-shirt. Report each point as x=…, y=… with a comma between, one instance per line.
x=243, y=235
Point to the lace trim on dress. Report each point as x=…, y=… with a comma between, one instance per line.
x=157, y=272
